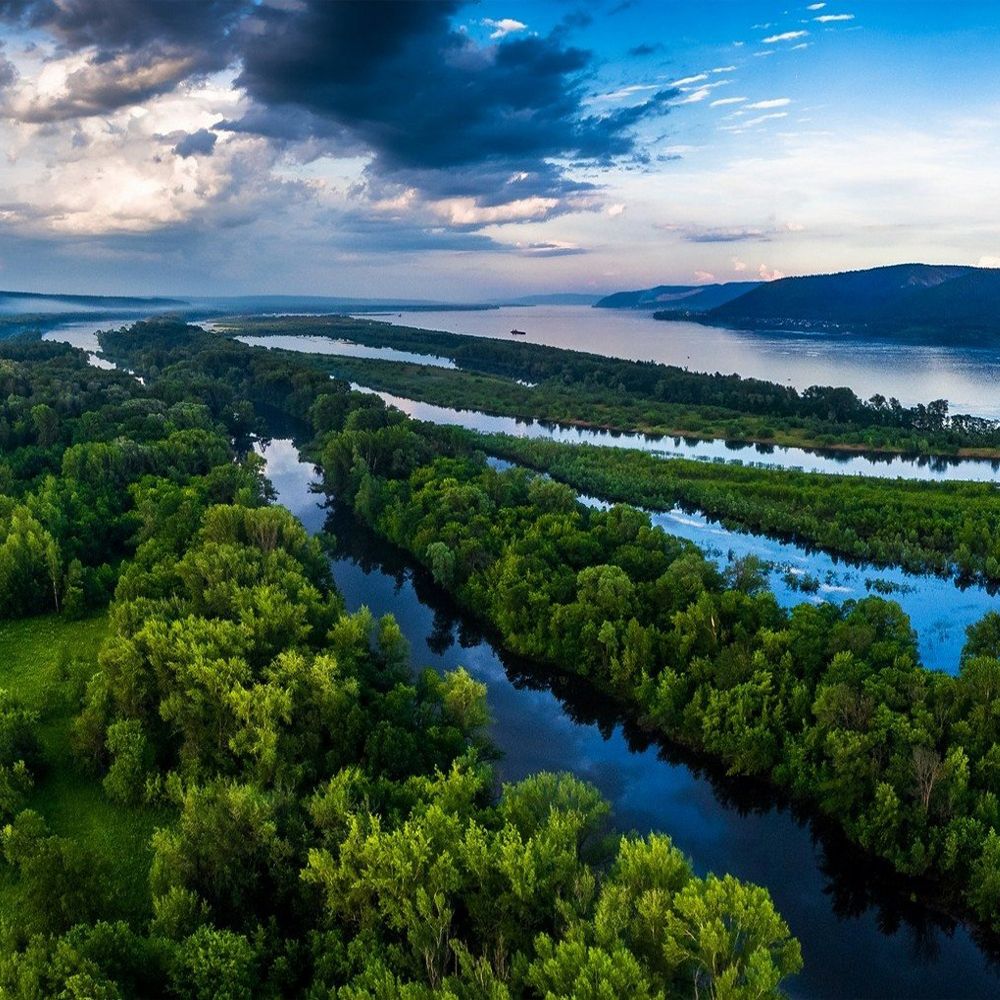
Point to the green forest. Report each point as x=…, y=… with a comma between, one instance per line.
x=946, y=528
x=217, y=783
x=830, y=703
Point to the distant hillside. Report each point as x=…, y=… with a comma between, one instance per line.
x=922, y=299
x=679, y=298
x=45, y=302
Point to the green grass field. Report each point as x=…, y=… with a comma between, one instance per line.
x=43, y=662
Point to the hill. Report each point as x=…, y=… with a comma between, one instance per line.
x=13, y=303
x=677, y=298
x=903, y=298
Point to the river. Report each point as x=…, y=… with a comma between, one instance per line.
x=84, y=336
x=938, y=608
x=936, y=468
x=860, y=935
x=913, y=373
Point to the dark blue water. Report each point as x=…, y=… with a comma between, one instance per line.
x=860, y=934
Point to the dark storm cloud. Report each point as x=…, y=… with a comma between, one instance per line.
x=132, y=25
x=498, y=123
x=200, y=143
x=140, y=47
x=437, y=111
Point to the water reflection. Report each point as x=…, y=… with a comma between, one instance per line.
x=936, y=468
x=343, y=348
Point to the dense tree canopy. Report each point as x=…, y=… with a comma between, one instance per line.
x=331, y=820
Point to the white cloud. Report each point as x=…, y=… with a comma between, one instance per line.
x=695, y=96
x=685, y=80
x=769, y=273
x=989, y=261
x=827, y=18
x=465, y=212
x=799, y=47
x=739, y=265
x=503, y=27
x=623, y=92
x=116, y=173
x=742, y=126
x=722, y=101
x=723, y=69
x=613, y=211
x=764, y=118
x=785, y=36
x=704, y=276
x=816, y=6
x=777, y=102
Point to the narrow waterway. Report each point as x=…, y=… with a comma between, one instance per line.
x=935, y=469
x=343, y=348
x=939, y=609
x=861, y=936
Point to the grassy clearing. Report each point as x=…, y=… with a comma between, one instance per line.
x=44, y=662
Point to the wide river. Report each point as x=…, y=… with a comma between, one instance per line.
x=967, y=377
x=860, y=935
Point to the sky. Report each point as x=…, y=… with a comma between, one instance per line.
x=469, y=151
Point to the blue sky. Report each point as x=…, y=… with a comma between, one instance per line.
x=467, y=151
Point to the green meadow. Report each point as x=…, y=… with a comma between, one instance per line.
x=45, y=662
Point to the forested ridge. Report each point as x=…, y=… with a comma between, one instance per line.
x=328, y=821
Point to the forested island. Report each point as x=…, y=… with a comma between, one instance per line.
x=947, y=528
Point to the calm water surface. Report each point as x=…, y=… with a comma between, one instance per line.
x=343, y=348
x=84, y=336
x=860, y=937
x=966, y=377
x=762, y=456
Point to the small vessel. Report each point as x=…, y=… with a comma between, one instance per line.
x=519, y=333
